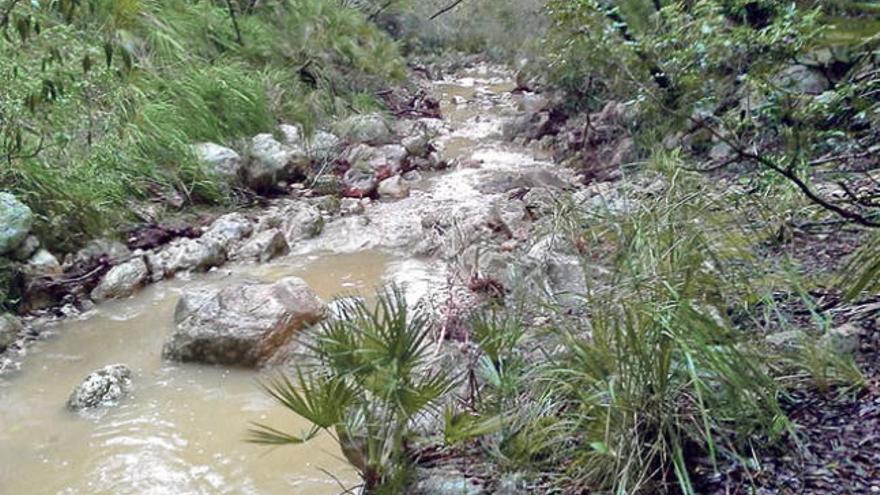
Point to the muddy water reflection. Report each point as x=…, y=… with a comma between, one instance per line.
x=181, y=432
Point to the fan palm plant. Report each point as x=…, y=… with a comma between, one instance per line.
x=372, y=379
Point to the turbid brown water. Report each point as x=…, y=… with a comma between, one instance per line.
x=182, y=430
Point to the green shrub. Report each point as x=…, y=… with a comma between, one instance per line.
x=372, y=381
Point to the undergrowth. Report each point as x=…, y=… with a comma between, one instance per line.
x=661, y=370
x=101, y=100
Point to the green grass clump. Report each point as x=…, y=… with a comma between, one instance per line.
x=100, y=101
x=653, y=374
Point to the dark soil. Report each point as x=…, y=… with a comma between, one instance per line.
x=837, y=449
x=837, y=444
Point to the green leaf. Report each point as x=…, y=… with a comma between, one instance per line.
x=600, y=447
x=461, y=427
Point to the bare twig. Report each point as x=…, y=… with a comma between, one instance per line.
x=446, y=9
x=790, y=174
x=851, y=156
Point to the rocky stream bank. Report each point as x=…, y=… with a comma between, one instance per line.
x=438, y=188
x=458, y=198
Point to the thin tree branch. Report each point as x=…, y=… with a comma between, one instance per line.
x=446, y=9
x=381, y=9
x=790, y=174
x=234, y=18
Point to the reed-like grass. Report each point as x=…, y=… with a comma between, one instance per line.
x=134, y=83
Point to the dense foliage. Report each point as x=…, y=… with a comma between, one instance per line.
x=101, y=100
x=786, y=87
x=659, y=374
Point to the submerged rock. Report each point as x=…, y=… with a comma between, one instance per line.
x=102, y=388
x=16, y=220
x=243, y=324
x=122, y=280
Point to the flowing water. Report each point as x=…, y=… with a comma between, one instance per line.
x=181, y=432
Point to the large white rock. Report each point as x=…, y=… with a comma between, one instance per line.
x=122, y=280
x=243, y=324
x=222, y=161
x=187, y=255
x=232, y=227
x=271, y=162
x=16, y=220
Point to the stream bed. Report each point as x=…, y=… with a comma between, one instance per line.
x=182, y=430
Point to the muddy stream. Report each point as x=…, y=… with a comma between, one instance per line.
x=182, y=430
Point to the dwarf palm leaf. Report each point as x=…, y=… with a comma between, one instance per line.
x=372, y=379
